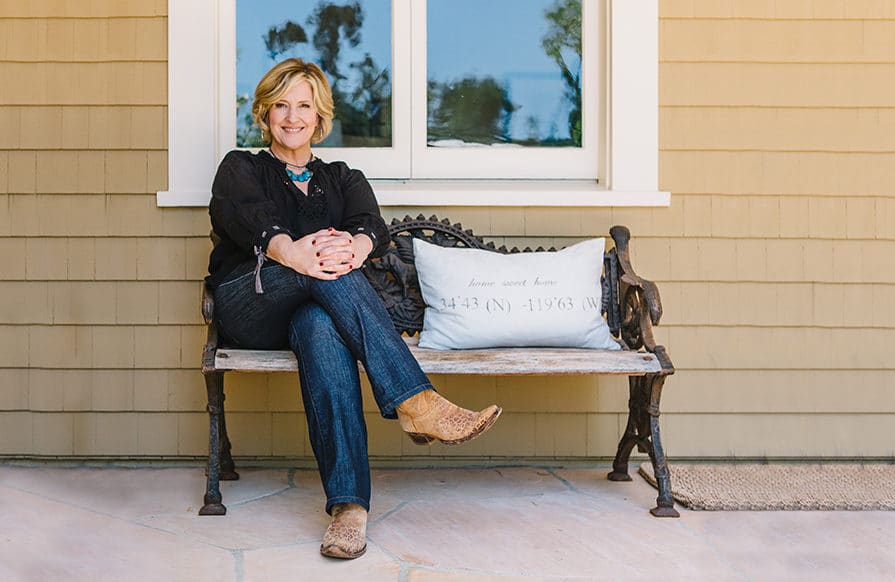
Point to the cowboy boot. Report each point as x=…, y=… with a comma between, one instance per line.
x=427, y=417
x=346, y=536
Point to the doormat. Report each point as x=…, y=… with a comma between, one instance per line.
x=780, y=486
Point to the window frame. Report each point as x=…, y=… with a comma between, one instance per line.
x=202, y=116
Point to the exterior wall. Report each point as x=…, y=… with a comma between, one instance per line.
x=774, y=259
x=776, y=138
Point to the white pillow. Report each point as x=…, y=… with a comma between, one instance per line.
x=482, y=299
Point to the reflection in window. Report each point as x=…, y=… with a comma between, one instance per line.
x=504, y=72
x=351, y=41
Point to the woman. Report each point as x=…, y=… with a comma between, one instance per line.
x=293, y=232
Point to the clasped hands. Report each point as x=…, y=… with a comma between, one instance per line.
x=326, y=254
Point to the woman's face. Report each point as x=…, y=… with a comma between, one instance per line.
x=293, y=118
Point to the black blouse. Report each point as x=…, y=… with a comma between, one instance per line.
x=253, y=199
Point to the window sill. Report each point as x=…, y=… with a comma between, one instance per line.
x=418, y=193
x=509, y=193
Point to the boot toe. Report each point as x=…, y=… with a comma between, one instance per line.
x=483, y=421
x=346, y=536
x=337, y=551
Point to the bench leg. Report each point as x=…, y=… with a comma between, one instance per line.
x=228, y=468
x=642, y=430
x=629, y=438
x=664, y=502
x=214, y=385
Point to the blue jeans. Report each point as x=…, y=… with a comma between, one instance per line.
x=330, y=326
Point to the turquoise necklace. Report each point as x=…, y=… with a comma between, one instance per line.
x=302, y=176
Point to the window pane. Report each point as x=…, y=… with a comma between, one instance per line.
x=504, y=72
x=351, y=41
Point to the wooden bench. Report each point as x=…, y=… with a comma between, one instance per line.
x=631, y=306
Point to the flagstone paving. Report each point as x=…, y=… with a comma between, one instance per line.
x=426, y=525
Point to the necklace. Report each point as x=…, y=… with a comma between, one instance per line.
x=302, y=176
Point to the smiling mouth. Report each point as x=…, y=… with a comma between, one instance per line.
x=293, y=129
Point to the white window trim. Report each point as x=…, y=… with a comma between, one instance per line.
x=201, y=81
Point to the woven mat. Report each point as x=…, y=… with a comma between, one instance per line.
x=758, y=487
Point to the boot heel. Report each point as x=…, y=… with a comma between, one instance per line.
x=420, y=439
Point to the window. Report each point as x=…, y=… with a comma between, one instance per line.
x=351, y=41
x=477, y=110
x=505, y=102
x=506, y=89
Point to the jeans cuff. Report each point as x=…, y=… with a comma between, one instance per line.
x=389, y=410
x=365, y=503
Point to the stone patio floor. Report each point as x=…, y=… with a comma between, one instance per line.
x=426, y=525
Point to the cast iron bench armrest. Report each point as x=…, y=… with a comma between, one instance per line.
x=639, y=301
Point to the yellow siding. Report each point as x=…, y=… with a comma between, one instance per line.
x=776, y=138
x=775, y=259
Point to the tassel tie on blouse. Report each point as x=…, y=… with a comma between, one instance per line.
x=259, y=254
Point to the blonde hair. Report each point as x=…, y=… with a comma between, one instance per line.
x=279, y=80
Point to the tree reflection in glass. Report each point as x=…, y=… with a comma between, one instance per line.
x=351, y=41
x=504, y=72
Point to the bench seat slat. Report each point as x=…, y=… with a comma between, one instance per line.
x=499, y=362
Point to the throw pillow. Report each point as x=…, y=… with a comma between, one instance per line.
x=481, y=299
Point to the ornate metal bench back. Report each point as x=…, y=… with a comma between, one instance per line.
x=394, y=276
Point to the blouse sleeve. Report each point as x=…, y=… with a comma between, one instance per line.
x=239, y=207
x=361, y=214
